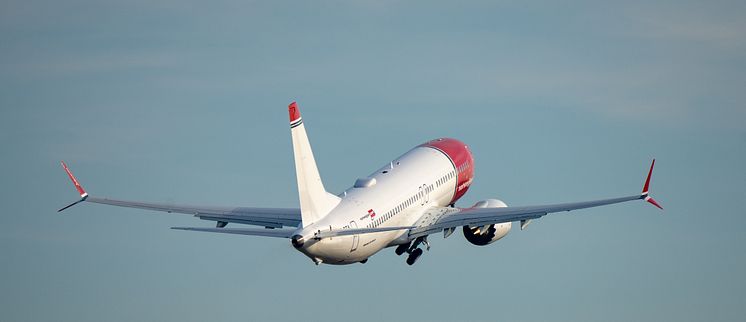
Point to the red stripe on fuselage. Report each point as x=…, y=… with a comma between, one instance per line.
x=461, y=159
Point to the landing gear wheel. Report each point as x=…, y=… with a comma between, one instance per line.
x=401, y=249
x=414, y=256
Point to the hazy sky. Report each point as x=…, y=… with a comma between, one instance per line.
x=184, y=101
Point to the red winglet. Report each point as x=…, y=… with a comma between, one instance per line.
x=81, y=191
x=653, y=202
x=294, y=112
x=646, y=189
x=647, y=181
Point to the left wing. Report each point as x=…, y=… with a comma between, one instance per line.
x=267, y=217
x=446, y=219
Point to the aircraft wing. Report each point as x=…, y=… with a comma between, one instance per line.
x=267, y=217
x=446, y=219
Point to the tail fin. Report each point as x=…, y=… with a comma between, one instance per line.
x=315, y=202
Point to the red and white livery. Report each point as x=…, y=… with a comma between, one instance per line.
x=398, y=205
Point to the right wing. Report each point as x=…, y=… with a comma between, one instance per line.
x=266, y=217
x=446, y=219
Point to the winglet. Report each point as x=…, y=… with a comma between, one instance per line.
x=646, y=189
x=81, y=191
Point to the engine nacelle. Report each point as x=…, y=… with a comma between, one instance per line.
x=485, y=235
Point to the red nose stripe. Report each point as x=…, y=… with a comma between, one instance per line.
x=462, y=160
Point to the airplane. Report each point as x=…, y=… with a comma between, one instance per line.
x=398, y=205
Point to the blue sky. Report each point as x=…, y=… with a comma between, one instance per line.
x=182, y=101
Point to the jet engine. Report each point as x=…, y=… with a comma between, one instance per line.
x=488, y=234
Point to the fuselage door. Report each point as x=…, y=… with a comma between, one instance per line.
x=355, y=238
x=424, y=195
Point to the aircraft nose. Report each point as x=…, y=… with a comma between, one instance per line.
x=297, y=241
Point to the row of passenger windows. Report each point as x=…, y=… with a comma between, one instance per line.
x=463, y=167
x=450, y=175
x=445, y=178
x=401, y=207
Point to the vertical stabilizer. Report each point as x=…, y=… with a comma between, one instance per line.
x=315, y=202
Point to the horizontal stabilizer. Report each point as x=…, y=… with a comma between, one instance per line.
x=279, y=233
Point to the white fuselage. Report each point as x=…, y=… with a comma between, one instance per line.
x=421, y=178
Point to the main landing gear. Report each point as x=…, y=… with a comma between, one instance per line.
x=413, y=250
x=413, y=256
